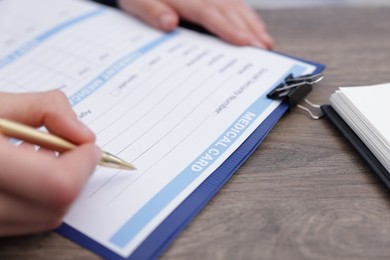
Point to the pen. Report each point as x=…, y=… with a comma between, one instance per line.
x=29, y=134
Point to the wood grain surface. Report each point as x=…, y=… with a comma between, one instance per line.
x=304, y=194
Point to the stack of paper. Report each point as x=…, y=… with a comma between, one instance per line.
x=365, y=110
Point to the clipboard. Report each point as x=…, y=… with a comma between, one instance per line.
x=155, y=244
x=257, y=113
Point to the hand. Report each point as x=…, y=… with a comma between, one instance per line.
x=231, y=20
x=36, y=188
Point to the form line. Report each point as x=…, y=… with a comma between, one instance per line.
x=154, y=164
x=174, y=147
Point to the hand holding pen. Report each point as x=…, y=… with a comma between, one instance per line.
x=37, y=188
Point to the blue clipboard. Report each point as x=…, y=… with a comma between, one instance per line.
x=155, y=244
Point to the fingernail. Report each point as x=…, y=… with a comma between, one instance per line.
x=244, y=37
x=85, y=129
x=98, y=154
x=256, y=43
x=166, y=21
x=268, y=39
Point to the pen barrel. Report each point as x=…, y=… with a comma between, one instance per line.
x=55, y=143
x=31, y=135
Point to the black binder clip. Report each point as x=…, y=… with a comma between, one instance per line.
x=294, y=90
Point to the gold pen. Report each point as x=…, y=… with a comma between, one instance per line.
x=29, y=134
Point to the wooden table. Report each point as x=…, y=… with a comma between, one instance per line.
x=304, y=194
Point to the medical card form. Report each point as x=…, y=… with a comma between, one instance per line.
x=176, y=105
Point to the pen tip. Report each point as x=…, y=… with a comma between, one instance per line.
x=128, y=166
x=109, y=160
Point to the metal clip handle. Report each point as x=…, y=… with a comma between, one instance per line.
x=294, y=89
x=314, y=111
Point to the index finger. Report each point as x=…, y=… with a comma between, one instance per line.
x=50, y=109
x=256, y=25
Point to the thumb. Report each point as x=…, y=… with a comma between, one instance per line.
x=155, y=13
